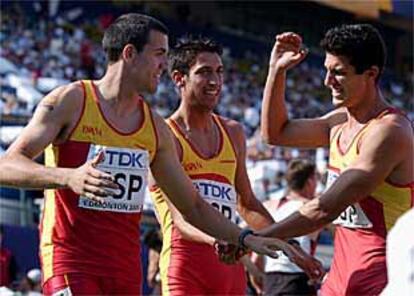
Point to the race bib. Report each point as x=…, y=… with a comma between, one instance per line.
x=332, y=176
x=353, y=216
x=221, y=196
x=64, y=292
x=130, y=169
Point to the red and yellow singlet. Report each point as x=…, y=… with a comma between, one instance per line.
x=79, y=235
x=188, y=267
x=359, y=267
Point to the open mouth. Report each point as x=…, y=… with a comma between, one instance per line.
x=212, y=92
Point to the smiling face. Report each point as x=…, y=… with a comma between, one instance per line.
x=347, y=88
x=147, y=66
x=201, y=87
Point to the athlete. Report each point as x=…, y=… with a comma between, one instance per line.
x=102, y=139
x=371, y=177
x=212, y=152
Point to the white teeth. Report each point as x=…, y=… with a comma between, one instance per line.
x=211, y=92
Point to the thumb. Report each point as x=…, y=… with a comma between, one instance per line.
x=300, y=56
x=100, y=157
x=269, y=251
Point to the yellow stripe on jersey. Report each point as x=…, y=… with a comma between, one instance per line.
x=165, y=220
x=48, y=218
x=396, y=201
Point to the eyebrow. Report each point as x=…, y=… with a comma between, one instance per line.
x=335, y=67
x=203, y=67
x=161, y=49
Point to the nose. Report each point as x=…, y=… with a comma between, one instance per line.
x=328, y=79
x=215, y=78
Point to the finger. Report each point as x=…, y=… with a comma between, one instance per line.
x=100, y=157
x=100, y=175
x=300, y=56
x=287, y=47
x=90, y=195
x=96, y=191
x=270, y=251
x=99, y=182
x=289, y=37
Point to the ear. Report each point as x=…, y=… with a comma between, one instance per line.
x=373, y=72
x=178, y=78
x=129, y=52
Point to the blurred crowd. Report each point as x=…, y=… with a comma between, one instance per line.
x=37, y=56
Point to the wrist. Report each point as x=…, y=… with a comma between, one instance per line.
x=242, y=237
x=64, y=178
x=276, y=69
x=293, y=242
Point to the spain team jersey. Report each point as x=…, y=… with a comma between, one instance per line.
x=79, y=235
x=359, y=267
x=188, y=267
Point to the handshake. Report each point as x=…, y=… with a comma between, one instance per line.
x=231, y=254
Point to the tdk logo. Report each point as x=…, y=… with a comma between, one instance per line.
x=125, y=159
x=216, y=190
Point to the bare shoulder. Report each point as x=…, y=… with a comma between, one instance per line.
x=233, y=127
x=64, y=99
x=335, y=117
x=159, y=122
x=163, y=131
x=394, y=125
x=390, y=140
x=391, y=133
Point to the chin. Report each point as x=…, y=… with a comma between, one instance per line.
x=338, y=102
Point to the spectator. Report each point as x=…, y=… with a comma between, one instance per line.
x=282, y=276
x=7, y=263
x=30, y=285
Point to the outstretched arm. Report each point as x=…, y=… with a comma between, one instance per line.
x=171, y=178
x=375, y=163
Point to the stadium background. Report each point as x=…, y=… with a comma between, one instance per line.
x=48, y=43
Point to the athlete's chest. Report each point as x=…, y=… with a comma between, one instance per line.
x=347, y=136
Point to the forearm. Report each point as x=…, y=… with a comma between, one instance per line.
x=20, y=171
x=308, y=219
x=256, y=216
x=352, y=186
x=191, y=233
x=274, y=113
x=210, y=221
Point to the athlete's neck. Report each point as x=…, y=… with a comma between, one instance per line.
x=367, y=109
x=115, y=90
x=192, y=119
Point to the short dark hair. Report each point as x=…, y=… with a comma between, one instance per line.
x=131, y=28
x=183, y=55
x=362, y=44
x=298, y=172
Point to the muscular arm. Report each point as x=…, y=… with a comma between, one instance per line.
x=276, y=127
x=376, y=162
x=52, y=115
x=188, y=231
x=248, y=206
